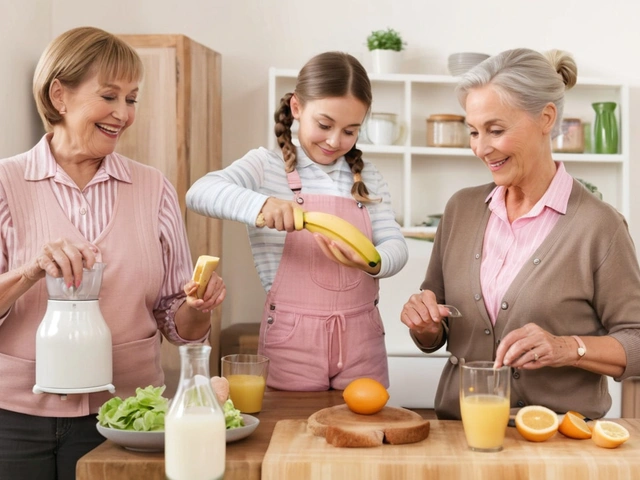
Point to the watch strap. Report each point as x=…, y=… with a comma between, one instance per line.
x=582, y=349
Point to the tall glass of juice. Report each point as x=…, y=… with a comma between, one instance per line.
x=485, y=404
x=247, y=376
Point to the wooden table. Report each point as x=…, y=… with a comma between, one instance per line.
x=244, y=458
x=286, y=451
x=294, y=454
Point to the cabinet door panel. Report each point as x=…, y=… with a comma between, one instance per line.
x=152, y=137
x=177, y=130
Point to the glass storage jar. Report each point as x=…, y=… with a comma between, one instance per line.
x=571, y=138
x=446, y=130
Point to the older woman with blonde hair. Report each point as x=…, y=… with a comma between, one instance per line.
x=544, y=273
x=65, y=204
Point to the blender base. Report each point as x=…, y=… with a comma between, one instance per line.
x=67, y=391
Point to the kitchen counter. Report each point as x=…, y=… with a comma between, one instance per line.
x=244, y=457
x=281, y=449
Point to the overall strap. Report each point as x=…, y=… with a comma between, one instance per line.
x=293, y=179
x=295, y=184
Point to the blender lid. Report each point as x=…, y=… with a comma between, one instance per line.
x=89, y=289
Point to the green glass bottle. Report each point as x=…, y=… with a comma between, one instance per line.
x=605, y=129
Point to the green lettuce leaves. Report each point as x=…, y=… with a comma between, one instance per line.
x=232, y=416
x=143, y=413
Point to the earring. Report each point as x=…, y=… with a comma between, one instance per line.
x=62, y=110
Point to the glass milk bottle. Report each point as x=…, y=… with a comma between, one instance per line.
x=195, y=432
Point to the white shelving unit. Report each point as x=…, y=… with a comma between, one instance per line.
x=421, y=179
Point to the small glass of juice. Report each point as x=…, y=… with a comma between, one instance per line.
x=484, y=404
x=247, y=376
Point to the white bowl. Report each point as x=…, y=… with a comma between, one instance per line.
x=154, y=441
x=133, y=440
x=460, y=63
x=250, y=424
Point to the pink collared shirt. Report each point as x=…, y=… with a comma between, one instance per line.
x=507, y=246
x=90, y=211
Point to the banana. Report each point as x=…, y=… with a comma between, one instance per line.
x=205, y=267
x=338, y=229
x=298, y=218
x=335, y=228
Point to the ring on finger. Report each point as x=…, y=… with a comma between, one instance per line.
x=535, y=357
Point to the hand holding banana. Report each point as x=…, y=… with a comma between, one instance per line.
x=342, y=236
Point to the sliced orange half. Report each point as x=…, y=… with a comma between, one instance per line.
x=609, y=434
x=574, y=426
x=536, y=423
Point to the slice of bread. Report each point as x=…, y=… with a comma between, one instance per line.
x=205, y=266
x=343, y=428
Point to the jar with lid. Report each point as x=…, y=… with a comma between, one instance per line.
x=446, y=130
x=571, y=138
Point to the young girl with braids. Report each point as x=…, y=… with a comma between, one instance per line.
x=321, y=327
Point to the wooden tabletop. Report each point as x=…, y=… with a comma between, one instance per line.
x=244, y=457
x=295, y=454
x=443, y=455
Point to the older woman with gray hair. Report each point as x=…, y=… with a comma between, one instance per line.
x=544, y=273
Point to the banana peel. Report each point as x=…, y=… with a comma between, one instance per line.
x=205, y=266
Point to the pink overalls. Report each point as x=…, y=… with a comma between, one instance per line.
x=321, y=327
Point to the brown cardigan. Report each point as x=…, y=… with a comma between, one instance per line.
x=584, y=279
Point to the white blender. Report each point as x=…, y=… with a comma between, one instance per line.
x=73, y=342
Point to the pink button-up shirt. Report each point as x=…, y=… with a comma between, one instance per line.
x=507, y=246
x=90, y=210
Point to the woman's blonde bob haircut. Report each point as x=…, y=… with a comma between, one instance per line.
x=74, y=57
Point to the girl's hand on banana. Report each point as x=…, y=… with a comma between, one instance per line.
x=342, y=253
x=277, y=214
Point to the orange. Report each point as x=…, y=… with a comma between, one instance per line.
x=609, y=434
x=365, y=396
x=536, y=423
x=574, y=426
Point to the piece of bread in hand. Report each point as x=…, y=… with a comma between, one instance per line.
x=205, y=266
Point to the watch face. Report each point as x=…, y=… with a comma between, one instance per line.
x=581, y=351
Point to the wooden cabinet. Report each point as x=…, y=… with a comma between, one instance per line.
x=178, y=130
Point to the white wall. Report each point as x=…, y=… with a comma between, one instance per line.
x=253, y=35
x=25, y=30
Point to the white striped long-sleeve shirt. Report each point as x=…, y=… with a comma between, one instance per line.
x=239, y=192
x=90, y=211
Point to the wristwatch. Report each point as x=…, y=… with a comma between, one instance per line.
x=582, y=350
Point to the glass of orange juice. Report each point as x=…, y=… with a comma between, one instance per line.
x=484, y=404
x=247, y=375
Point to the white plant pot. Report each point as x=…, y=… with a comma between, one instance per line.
x=385, y=61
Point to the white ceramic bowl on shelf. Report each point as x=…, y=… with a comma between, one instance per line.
x=461, y=62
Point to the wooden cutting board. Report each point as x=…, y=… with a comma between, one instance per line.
x=294, y=453
x=344, y=428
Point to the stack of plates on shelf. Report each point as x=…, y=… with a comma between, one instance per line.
x=459, y=63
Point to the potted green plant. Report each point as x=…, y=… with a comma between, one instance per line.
x=385, y=47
